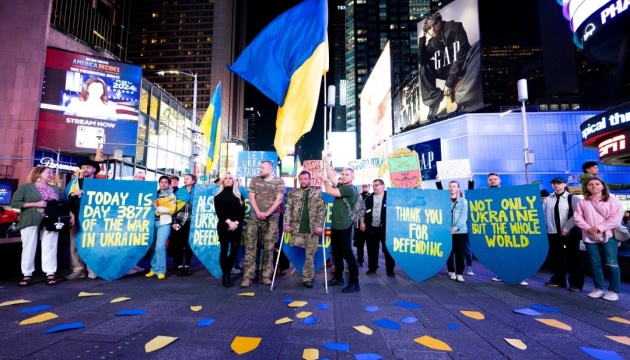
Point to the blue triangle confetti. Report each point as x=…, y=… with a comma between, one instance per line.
x=545, y=308
x=205, y=322
x=337, y=346
x=453, y=326
x=409, y=320
x=408, y=305
x=387, y=324
x=527, y=311
x=287, y=300
x=131, y=312
x=64, y=327
x=322, y=306
x=601, y=354
x=310, y=320
x=35, y=309
x=367, y=356
x=371, y=308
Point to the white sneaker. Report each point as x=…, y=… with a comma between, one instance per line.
x=469, y=271
x=496, y=278
x=452, y=276
x=523, y=283
x=596, y=294
x=92, y=275
x=235, y=271
x=460, y=278
x=611, y=296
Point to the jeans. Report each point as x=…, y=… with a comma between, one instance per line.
x=341, y=247
x=609, y=250
x=456, y=260
x=158, y=258
x=374, y=238
x=565, y=255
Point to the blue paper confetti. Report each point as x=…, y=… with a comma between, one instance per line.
x=35, y=309
x=310, y=320
x=409, y=320
x=371, y=308
x=367, y=356
x=453, y=326
x=527, y=311
x=601, y=354
x=287, y=300
x=387, y=324
x=322, y=306
x=337, y=346
x=545, y=308
x=408, y=305
x=64, y=327
x=131, y=312
x=205, y=322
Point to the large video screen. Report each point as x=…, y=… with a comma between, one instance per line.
x=7, y=189
x=449, y=61
x=376, y=104
x=87, y=103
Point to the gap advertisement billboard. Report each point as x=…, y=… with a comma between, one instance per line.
x=88, y=103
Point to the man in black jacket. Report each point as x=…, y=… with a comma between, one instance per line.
x=359, y=236
x=373, y=224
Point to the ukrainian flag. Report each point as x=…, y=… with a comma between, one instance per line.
x=211, y=127
x=286, y=62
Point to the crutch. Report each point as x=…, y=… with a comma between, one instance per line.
x=273, y=278
x=324, y=254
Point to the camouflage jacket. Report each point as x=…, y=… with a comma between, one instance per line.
x=294, y=206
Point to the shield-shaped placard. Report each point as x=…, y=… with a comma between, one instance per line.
x=404, y=168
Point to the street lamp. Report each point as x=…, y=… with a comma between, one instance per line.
x=194, y=111
x=522, y=97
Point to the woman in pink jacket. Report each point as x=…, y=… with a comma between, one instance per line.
x=597, y=214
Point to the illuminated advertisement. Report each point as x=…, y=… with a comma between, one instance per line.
x=449, y=60
x=609, y=132
x=376, y=104
x=88, y=103
x=7, y=188
x=429, y=153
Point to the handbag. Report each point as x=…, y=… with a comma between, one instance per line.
x=620, y=233
x=55, y=216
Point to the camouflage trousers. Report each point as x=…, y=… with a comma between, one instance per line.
x=269, y=232
x=309, y=242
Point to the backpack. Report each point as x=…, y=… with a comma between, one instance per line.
x=358, y=210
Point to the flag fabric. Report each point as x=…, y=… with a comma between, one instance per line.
x=211, y=127
x=296, y=165
x=286, y=62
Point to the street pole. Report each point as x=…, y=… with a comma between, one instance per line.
x=522, y=97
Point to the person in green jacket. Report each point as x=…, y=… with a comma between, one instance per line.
x=591, y=169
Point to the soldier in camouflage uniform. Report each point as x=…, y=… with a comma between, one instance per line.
x=266, y=193
x=305, y=226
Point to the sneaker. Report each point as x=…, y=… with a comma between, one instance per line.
x=92, y=275
x=246, y=282
x=391, y=274
x=452, y=276
x=235, y=271
x=574, y=289
x=370, y=272
x=460, y=278
x=150, y=274
x=497, y=279
x=351, y=288
x=75, y=275
x=610, y=296
x=469, y=271
x=187, y=271
x=138, y=268
x=180, y=271
x=335, y=282
x=161, y=276
x=266, y=281
x=596, y=294
x=552, y=285
x=523, y=283
x=132, y=271
x=308, y=284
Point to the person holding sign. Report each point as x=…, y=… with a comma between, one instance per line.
x=165, y=205
x=304, y=219
x=181, y=225
x=230, y=209
x=563, y=244
x=459, y=230
x=373, y=225
x=31, y=198
x=341, y=233
x=266, y=193
x=597, y=215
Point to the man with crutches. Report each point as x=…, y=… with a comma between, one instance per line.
x=266, y=193
x=304, y=219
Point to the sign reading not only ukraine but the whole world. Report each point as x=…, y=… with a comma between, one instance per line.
x=418, y=232
x=116, y=225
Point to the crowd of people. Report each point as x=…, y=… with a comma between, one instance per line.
x=358, y=216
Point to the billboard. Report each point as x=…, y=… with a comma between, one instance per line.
x=87, y=103
x=449, y=60
x=429, y=153
x=376, y=104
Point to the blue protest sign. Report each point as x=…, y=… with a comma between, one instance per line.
x=418, y=232
x=248, y=163
x=297, y=255
x=116, y=225
x=507, y=230
x=204, y=239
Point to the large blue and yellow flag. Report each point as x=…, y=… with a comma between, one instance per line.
x=211, y=127
x=286, y=62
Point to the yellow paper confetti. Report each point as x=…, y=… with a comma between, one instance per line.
x=158, y=342
x=39, y=318
x=303, y=314
x=296, y=304
x=620, y=339
x=242, y=344
x=284, y=320
x=246, y=294
x=363, y=329
x=473, y=314
x=310, y=354
x=555, y=323
x=120, y=299
x=517, y=343
x=196, y=308
x=433, y=343
x=621, y=320
x=86, y=294
x=14, y=302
